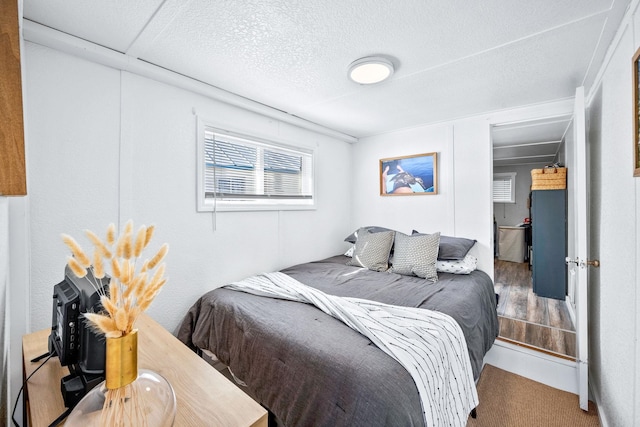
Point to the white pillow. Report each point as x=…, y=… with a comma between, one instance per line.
x=463, y=266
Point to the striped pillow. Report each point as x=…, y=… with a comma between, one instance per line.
x=416, y=255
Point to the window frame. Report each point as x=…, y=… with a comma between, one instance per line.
x=501, y=177
x=213, y=204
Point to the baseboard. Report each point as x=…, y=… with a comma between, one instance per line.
x=541, y=367
x=596, y=399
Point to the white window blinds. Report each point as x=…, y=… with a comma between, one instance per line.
x=244, y=170
x=504, y=187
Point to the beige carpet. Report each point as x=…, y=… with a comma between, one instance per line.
x=507, y=399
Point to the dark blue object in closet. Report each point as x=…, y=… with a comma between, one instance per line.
x=549, y=230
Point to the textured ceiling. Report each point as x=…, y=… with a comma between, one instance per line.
x=453, y=58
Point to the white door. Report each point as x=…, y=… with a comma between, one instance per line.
x=577, y=261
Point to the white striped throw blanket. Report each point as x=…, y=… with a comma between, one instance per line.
x=428, y=344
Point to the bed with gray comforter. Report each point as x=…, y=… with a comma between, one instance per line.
x=310, y=369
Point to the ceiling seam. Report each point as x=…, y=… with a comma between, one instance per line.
x=145, y=26
x=524, y=144
x=531, y=123
x=593, y=54
x=512, y=42
x=527, y=144
x=624, y=22
x=524, y=157
x=519, y=164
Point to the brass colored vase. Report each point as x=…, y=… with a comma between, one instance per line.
x=129, y=396
x=121, y=360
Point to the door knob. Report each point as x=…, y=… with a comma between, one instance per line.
x=594, y=262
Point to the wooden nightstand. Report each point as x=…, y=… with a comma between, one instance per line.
x=204, y=396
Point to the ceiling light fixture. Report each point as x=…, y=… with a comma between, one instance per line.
x=370, y=70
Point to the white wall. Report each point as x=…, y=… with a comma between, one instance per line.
x=427, y=212
x=106, y=146
x=473, y=180
x=14, y=259
x=614, y=224
x=73, y=111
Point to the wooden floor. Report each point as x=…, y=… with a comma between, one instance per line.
x=542, y=323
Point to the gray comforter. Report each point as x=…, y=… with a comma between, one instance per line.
x=308, y=368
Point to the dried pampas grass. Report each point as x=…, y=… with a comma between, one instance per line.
x=134, y=282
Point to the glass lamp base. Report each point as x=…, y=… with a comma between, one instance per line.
x=148, y=401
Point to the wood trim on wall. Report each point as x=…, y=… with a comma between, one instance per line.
x=13, y=181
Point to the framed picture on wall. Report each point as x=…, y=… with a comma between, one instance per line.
x=409, y=175
x=636, y=114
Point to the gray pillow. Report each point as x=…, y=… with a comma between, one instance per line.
x=416, y=255
x=372, y=250
x=351, y=238
x=454, y=248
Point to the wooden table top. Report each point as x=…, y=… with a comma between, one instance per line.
x=204, y=396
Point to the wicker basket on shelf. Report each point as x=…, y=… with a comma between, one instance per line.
x=549, y=179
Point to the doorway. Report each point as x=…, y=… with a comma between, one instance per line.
x=542, y=324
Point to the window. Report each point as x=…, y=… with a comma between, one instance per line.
x=504, y=187
x=241, y=172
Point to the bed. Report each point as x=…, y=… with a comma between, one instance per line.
x=309, y=369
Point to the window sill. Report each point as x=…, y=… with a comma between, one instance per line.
x=250, y=207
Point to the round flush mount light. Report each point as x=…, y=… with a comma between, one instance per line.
x=370, y=70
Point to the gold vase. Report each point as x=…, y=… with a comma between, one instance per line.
x=121, y=360
x=129, y=396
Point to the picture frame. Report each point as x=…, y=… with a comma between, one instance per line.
x=636, y=113
x=409, y=175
